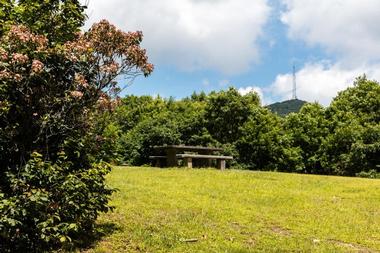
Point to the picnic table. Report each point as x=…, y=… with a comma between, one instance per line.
x=171, y=153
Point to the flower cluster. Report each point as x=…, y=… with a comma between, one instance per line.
x=3, y=54
x=111, y=68
x=78, y=50
x=112, y=43
x=105, y=103
x=76, y=94
x=37, y=67
x=4, y=74
x=99, y=56
x=19, y=49
x=21, y=34
x=18, y=77
x=81, y=81
x=19, y=58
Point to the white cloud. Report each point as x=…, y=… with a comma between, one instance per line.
x=245, y=90
x=320, y=81
x=347, y=28
x=219, y=35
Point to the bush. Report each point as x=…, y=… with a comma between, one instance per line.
x=50, y=204
x=368, y=174
x=139, y=142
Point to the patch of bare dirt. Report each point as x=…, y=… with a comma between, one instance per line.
x=281, y=231
x=353, y=246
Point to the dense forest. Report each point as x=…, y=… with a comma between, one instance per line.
x=285, y=107
x=342, y=139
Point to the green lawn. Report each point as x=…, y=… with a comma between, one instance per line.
x=206, y=210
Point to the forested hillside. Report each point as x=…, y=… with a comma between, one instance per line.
x=342, y=139
x=286, y=107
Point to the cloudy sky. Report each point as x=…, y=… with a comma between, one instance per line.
x=205, y=45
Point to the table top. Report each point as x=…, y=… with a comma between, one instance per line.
x=188, y=148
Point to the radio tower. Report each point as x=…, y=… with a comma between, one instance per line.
x=294, y=83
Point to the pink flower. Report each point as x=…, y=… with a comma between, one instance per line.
x=81, y=81
x=21, y=33
x=37, y=67
x=17, y=77
x=111, y=68
x=4, y=74
x=19, y=58
x=3, y=54
x=76, y=94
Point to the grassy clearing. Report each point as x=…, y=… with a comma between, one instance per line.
x=163, y=210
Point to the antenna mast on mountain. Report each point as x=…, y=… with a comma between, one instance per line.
x=294, y=83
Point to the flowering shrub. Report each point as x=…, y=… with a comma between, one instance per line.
x=47, y=92
x=51, y=204
x=51, y=187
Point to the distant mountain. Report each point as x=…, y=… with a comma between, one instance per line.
x=286, y=107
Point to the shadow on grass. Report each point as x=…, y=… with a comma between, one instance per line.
x=101, y=230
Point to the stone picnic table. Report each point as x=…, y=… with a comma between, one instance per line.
x=174, y=152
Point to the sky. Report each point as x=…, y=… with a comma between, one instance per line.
x=252, y=45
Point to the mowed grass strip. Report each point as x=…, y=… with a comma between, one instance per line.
x=206, y=210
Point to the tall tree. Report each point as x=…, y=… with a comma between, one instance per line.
x=52, y=77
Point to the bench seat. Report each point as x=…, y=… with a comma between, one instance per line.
x=159, y=160
x=205, y=156
x=157, y=157
x=221, y=160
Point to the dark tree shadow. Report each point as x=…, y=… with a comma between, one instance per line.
x=100, y=231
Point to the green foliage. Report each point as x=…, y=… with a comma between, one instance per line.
x=52, y=78
x=58, y=20
x=226, y=112
x=264, y=146
x=104, y=138
x=134, y=109
x=362, y=101
x=286, y=107
x=351, y=148
x=342, y=139
x=139, y=142
x=307, y=130
x=190, y=117
x=51, y=204
x=369, y=174
x=353, y=141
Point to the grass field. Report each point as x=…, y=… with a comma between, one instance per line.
x=206, y=210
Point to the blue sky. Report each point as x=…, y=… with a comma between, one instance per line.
x=205, y=45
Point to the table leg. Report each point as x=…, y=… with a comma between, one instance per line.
x=189, y=162
x=207, y=162
x=221, y=164
x=171, y=158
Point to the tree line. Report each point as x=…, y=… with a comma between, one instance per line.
x=341, y=139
